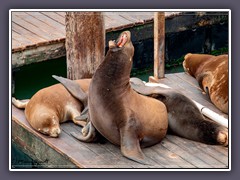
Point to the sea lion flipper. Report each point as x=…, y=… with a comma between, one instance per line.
x=84, y=115
x=130, y=146
x=89, y=134
x=20, y=103
x=73, y=87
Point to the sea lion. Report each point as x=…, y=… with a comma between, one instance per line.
x=54, y=105
x=211, y=73
x=184, y=118
x=120, y=114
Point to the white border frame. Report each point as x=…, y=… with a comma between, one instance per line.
x=119, y=10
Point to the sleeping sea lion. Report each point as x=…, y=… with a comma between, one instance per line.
x=54, y=105
x=211, y=73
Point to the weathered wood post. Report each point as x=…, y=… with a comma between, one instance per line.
x=159, y=45
x=85, y=43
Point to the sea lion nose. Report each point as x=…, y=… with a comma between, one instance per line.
x=55, y=132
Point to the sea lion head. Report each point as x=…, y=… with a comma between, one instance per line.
x=124, y=42
x=193, y=63
x=48, y=125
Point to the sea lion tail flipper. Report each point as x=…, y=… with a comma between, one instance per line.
x=89, y=134
x=20, y=104
x=130, y=146
x=74, y=88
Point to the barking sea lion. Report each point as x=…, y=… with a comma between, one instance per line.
x=121, y=115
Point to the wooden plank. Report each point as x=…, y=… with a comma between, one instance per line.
x=224, y=151
x=33, y=27
x=140, y=17
x=189, y=79
x=173, y=146
x=61, y=13
x=50, y=22
x=194, y=149
x=53, y=32
x=22, y=41
x=133, y=19
x=218, y=152
x=109, y=23
x=55, y=16
x=16, y=43
x=121, y=21
x=27, y=34
x=167, y=158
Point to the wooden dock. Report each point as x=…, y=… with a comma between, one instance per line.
x=40, y=35
x=173, y=152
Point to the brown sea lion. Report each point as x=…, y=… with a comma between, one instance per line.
x=211, y=73
x=184, y=118
x=53, y=105
x=120, y=114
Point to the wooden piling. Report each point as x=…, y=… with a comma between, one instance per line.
x=159, y=45
x=85, y=43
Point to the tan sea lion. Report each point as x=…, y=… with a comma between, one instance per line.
x=211, y=73
x=120, y=114
x=184, y=118
x=54, y=105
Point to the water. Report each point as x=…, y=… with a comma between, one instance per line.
x=29, y=79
